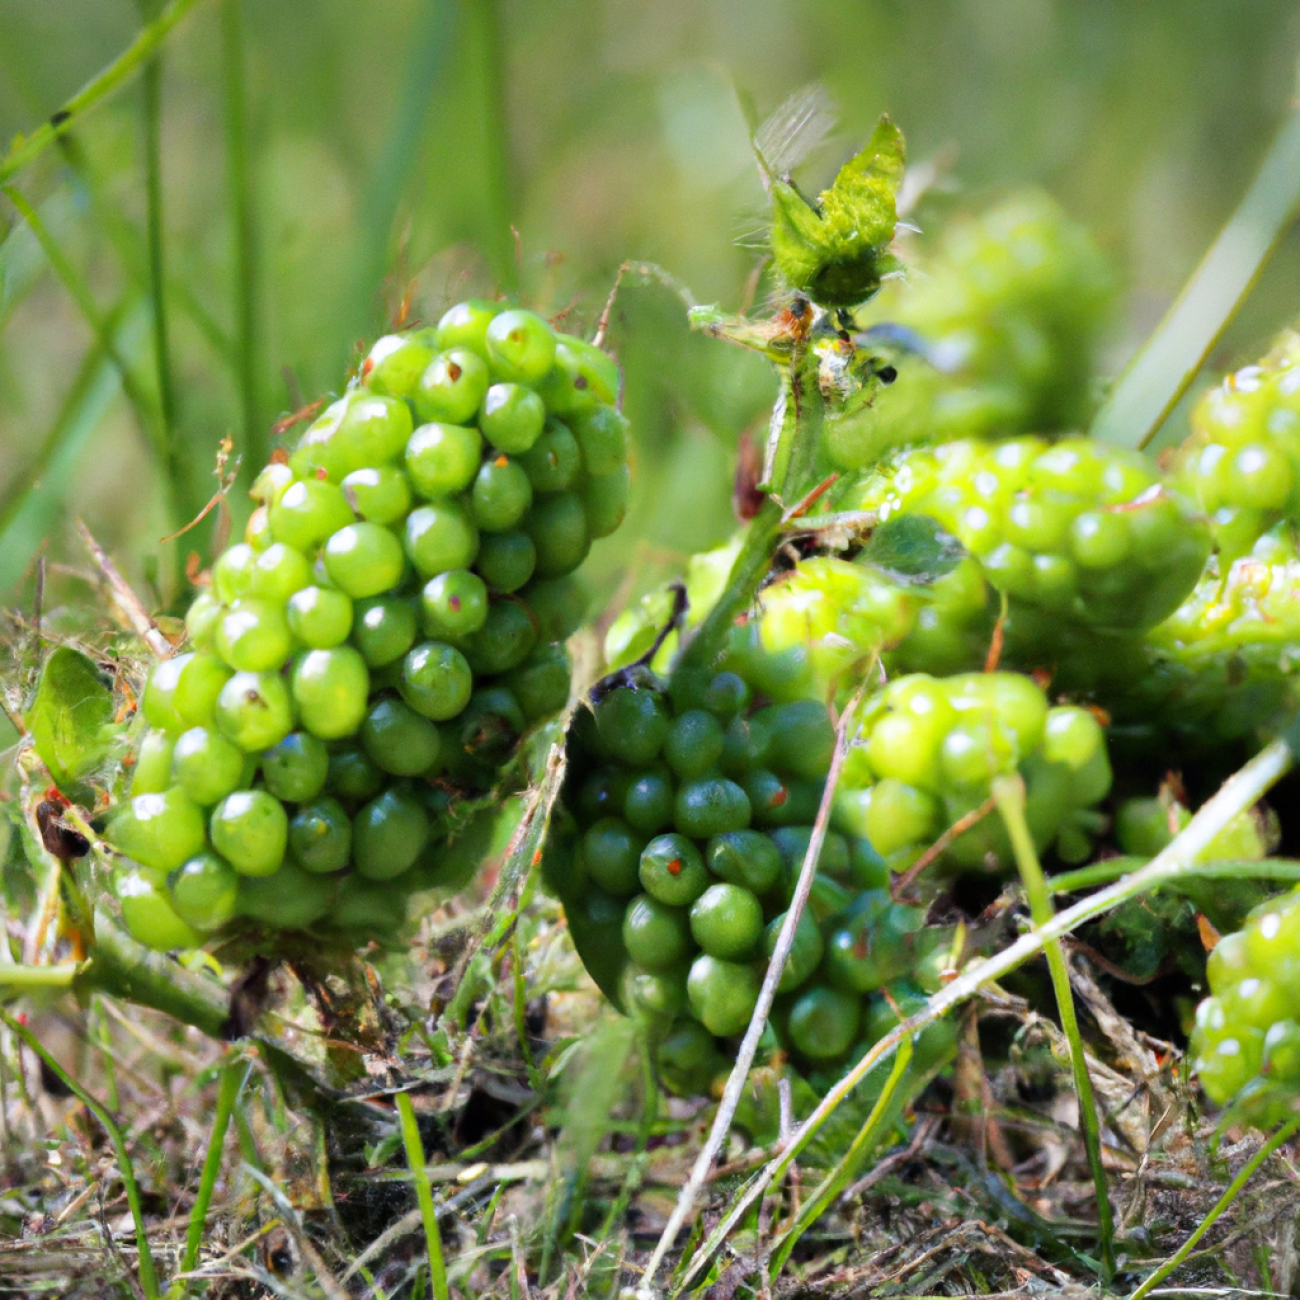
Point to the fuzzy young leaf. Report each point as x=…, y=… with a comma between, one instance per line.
x=836, y=247
x=71, y=715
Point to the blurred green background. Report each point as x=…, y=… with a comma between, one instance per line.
x=321, y=161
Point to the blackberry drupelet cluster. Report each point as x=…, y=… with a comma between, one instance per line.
x=1242, y=463
x=931, y=747
x=1246, y=1043
x=681, y=834
x=1076, y=529
x=391, y=625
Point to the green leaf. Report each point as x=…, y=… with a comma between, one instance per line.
x=912, y=549
x=71, y=715
x=836, y=248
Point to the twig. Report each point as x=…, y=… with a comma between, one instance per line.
x=924, y=1132
x=936, y=850
x=126, y=599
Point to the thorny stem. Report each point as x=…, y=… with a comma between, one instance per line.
x=120, y=966
x=747, y=573
x=1009, y=792
x=27, y=979
x=1243, y=789
x=792, y=462
x=1231, y=1192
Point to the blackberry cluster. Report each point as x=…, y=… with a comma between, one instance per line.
x=682, y=830
x=391, y=625
x=1246, y=1043
x=930, y=748
x=1241, y=464
x=1224, y=665
x=1076, y=529
x=1008, y=313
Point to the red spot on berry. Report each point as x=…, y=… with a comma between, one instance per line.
x=675, y=867
x=321, y=474
x=366, y=367
x=501, y=462
x=454, y=602
x=779, y=798
x=862, y=949
x=279, y=456
x=580, y=382
x=454, y=372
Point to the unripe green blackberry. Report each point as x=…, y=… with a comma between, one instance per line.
x=1079, y=530
x=1245, y=1042
x=1223, y=666
x=1009, y=310
x=929, y=749
x=676, y=868
x=1241, y=464
x=393, y=617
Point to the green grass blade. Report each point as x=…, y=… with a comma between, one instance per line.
x=80, y=292
x=125, y=239
x=239, y=196
x=838, y=1178
x=33, y=497
x=1233, y=1190
x=481, y=33
x=1102, y=873
x=429, y=49
x=147, y=42
x=148, y=1273
x=234, y=1074
x=1167, y=362
x=22, y=259
x=423, y=1193
x=174, y=460
x=1009, y=792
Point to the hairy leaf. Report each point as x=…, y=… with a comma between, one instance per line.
x=71, y=715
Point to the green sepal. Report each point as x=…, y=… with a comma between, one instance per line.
x=836, y=248
x=70, y=718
